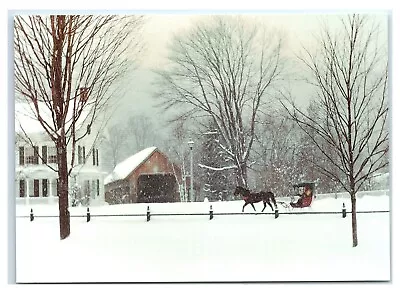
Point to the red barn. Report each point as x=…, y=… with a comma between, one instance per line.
x=147, y=176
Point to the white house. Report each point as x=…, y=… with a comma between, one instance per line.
x=36, y=179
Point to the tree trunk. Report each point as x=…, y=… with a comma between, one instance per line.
x=58, y=29
x=63, y=188
x=354, y=218
x=241, y=175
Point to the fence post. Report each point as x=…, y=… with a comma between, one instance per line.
x=276, y=213
x=88, y=215
x=211, y=213
x=343, y=211
x=148, y=213
x=31, y=215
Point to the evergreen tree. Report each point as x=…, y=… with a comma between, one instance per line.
x=217, y=178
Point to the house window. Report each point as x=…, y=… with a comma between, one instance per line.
x=33, y=188
x=44, y=188
x=44, y=154
x=21, y=156
x=52, y=154
x=21, y=188
x=86, y=188
x=32, y=155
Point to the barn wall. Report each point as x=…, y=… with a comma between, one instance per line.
x=115, y=191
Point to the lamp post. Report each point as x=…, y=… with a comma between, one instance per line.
x=191, y=143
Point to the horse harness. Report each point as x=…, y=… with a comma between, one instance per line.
x=246, y=196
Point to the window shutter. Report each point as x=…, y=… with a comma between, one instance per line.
x=97, y=157
x=21, y=156
x=36, y=154
x=44, y=154
x=98, y=187
x=94, y=156
x=79, y=154
x=21, y=188
x=36, y=188
x=84, y=154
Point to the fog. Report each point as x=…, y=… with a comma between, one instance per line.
x=135, y=96
x=299, y=30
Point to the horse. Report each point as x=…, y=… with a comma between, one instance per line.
x=254, y=197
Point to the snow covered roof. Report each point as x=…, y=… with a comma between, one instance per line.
x=26, y=119
x=87, y=170
x=39, y=171
x=124, y=168
x=36, y=171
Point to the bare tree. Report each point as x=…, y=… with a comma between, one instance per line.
x=65, y=66
x=126, y=138
x=276, y=153
x=176, y=147
x=224, y=69
x=141, y=131
x=351, y=78
x=216, y=179
x=114, y=143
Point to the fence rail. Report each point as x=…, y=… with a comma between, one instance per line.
x=211, y=214
x=215, y=213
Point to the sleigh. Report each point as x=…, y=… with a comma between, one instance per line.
x=304, y=192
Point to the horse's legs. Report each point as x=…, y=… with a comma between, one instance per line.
x=264, y=206
x=253, y=206
x=244, y=206
x=269, y=203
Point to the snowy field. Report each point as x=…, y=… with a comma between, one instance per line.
x=237, y=248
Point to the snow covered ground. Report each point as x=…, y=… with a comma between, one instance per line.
x=193, y=248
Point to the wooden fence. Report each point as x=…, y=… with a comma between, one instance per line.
x=343, y=212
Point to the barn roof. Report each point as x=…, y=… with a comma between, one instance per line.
x=124, y=168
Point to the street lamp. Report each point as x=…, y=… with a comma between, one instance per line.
x=191, y=143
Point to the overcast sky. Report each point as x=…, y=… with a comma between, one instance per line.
x=159, y=29
x=298, y=27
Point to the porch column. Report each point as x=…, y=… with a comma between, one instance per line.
x=51, y=190
x=27, y=191
x=17, y=189
x=49, y=200
x=101, y=189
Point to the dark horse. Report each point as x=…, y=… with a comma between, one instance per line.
x=254, y=197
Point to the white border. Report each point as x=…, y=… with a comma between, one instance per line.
x=205, y=6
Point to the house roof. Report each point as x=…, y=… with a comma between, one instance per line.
x=26, y=119
x=36, y=171
x=126, y=167
x=39, y=171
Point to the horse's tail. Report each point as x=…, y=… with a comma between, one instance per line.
x=273, y=200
